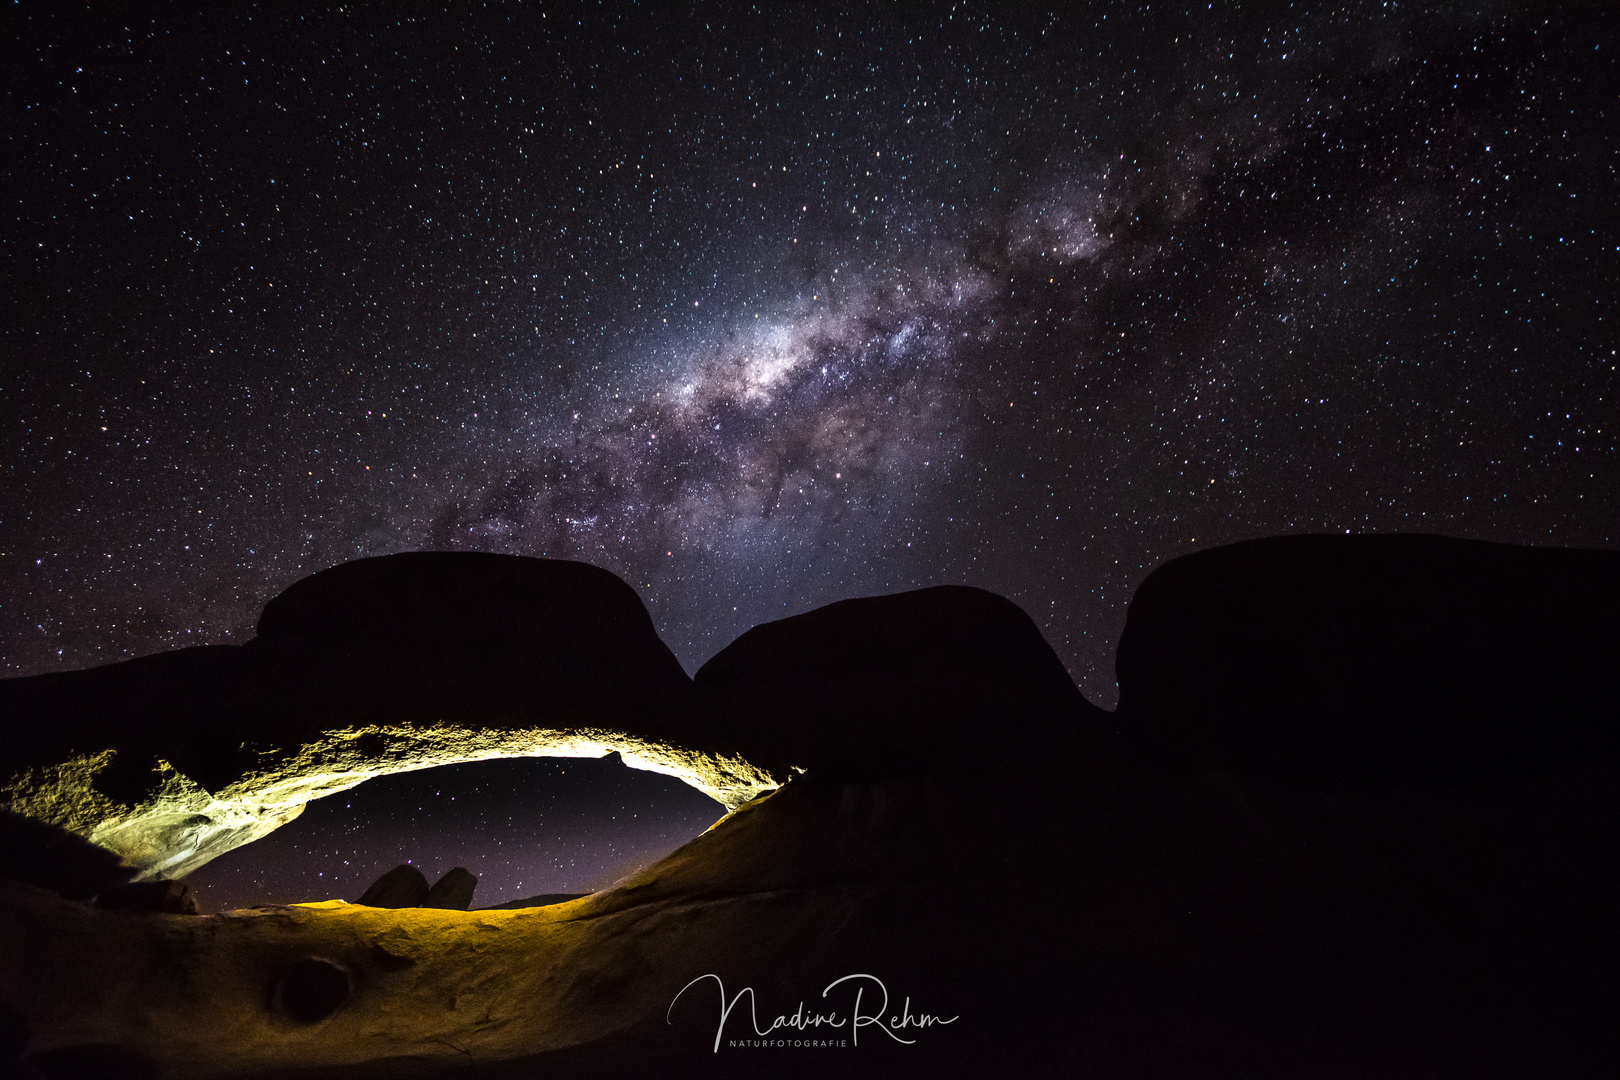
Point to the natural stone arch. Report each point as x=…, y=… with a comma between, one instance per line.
x=383, y=665
x=412, y=661
x=181, y=826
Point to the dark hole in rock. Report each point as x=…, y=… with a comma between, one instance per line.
x=93, y=1061
x=311, y=989
x=526, y=828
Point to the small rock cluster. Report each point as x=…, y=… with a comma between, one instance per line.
x=405, y=887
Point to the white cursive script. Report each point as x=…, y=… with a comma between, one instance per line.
x=802, y=1019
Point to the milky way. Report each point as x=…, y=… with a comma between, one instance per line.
x=765, y=310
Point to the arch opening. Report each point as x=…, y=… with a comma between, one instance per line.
x=527, y=828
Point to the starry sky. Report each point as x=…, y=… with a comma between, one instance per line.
x=762, y=307
x=526, y=827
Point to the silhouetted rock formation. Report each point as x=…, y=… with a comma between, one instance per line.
x=943, y=681
x=172, y=897
x=47, y=855
x=1375, y=659
x=453, y=891
x=435, y=637
x=402, y=887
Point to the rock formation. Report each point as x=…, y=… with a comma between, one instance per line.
x=948, y=681
x=40, y=853
x=402, y=887
x=1375, y=659
x=1303, y=888
x=453, y=891
x=376, y=666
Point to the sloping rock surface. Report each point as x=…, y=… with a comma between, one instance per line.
x=50, y=856
x=1375, y=659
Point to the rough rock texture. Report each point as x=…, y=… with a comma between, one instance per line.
x=1375, y=659
x=454, y=890
x=403, y=886
x=376, y=666
x=943, y=681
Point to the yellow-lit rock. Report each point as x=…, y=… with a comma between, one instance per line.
x=179, y=826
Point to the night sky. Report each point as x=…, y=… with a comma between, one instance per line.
x=526, y=827
x=763, y=309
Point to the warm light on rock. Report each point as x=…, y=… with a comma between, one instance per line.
x=180, y=826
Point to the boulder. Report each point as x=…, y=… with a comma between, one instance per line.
x=946, y=681
x=1395, y=659
x=454, y=890
x=402, y=887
